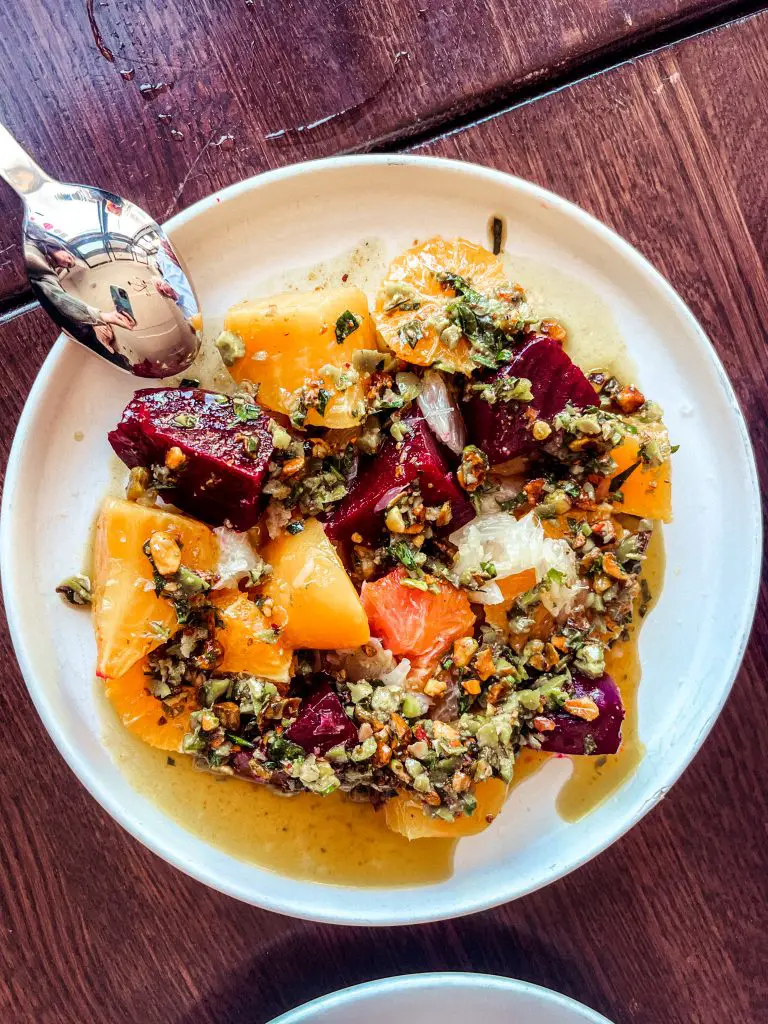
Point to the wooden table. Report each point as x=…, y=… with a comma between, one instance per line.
x=649, y=113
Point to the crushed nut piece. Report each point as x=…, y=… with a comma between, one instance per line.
x=435, y=687
x=166, y=553
x=542, y=724
x=175, y=458
x=484, y=665
x=463, y=650
x=582, y=707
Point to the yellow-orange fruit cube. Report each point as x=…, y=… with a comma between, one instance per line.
x=310, y=585
x=290, y=338
x=244, y=651
x=406, y=815
x=129, y=619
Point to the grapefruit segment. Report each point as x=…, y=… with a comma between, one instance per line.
x=129, y=619
x=406, y=815
x=416, y=623
x=309, y=583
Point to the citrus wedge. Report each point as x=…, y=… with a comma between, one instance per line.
x=144, y=715
x=406, y=815
x=310, y=585
x=417, y=267
x=129, y=619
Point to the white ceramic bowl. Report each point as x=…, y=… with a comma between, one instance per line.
x=237, y=243
x=437, y=998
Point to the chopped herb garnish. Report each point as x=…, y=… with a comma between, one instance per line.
x=240, y=741
x=411, y=333
x=76, y=589
x=245, y=410
x=618, y=481
x=185, y=420
x=346, y=324
x=322, y=401
x=497, y=234
x=251, y=445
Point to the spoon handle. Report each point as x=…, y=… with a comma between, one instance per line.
x=17, y=167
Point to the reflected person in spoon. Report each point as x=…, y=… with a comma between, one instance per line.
x=49, y=260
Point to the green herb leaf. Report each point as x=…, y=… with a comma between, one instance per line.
x=346, y=324
x=322, y=401
x=411, y=333
x=244, y=409
x=240, y=741
x=619, y=480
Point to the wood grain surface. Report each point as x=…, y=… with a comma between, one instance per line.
x=252, y=84
x=668, y=925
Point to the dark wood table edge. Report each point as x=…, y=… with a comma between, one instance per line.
x=485, y=106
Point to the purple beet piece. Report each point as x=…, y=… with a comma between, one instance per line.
x=220, y=480
x=417, y=457
x=503, y=430
x=322, y=723
x=574, y=735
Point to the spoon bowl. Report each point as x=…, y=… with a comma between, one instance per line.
x=103, y=270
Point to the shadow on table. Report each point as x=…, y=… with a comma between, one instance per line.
x=309, y=961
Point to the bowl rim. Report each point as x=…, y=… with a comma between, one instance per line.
x=394, y=912
x=304, y=1014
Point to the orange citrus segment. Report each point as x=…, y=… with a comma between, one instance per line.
x=290, y=337
x=311, y=586
x=416, y=623
x=129, y=619
x=243, y=651
x=144, y=715
x=511, y=587
x=648, y=490
x=417, y=267
x=406, y=815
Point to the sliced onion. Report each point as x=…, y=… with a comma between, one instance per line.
x=398, y=675
x=488, y=594
x=236, y=558
x=387, y=497
x=441, y=412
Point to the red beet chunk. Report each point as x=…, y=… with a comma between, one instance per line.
x=574, y=735
x=417, y=457
x=503, y=430
x=220, y=480
x=322, y=723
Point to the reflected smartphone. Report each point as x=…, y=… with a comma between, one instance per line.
x=121, y=301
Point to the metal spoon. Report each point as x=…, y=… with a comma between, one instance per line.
x=103, y=270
